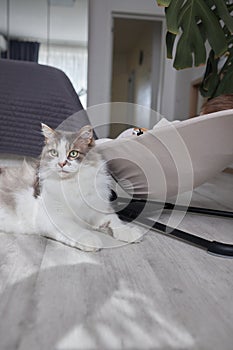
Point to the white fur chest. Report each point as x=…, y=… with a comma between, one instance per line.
x=80, y=198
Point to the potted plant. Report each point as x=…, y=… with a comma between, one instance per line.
x=197, y=29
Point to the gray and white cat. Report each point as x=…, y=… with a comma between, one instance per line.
x=65, y=197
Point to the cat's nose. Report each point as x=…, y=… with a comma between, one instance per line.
x=62, y=164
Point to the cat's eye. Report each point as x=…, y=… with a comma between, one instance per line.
x=73, y=154
x=53, y=153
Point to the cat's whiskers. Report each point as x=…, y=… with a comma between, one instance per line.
x=70, y=170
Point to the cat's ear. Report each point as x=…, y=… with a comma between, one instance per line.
x=86, y=133
x=47, y=132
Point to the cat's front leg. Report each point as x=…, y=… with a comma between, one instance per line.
x=73, y=235
x=121, y=231
x=85, y=242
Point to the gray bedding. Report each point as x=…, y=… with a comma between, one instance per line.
x=30, y=94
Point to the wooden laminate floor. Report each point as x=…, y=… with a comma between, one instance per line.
x=158, y=294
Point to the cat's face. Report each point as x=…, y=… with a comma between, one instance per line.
x=64, y=151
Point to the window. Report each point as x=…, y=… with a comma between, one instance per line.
x=72, y=60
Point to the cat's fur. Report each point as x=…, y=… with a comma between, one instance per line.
x=63, y=198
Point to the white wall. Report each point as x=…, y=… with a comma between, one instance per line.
x=175, y=84
x=100, y=41
x=183, y=79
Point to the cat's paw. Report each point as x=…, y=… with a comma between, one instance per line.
x=105, y=228
x=128, y=233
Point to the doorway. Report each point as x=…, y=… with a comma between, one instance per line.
x=136, y=65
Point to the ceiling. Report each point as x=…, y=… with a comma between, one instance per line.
x=29, y=20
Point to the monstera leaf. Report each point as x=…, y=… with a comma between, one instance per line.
x=218, y=81
x=192, y=23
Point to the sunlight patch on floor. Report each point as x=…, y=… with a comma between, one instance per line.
x=127, y=320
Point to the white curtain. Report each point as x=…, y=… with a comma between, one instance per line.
x=72, y=60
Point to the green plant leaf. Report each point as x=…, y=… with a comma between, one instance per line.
x=172, y=15
x=225, y=75
x=225, y=85
x=213, y=29
x=194, y=22
x=217, y=82
x=170, y=40
x=187, y=16
x=164, y=3
x=189, y=47
x=211, y=78
x=224, y=14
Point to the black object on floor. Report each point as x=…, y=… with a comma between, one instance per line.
x=135, y=207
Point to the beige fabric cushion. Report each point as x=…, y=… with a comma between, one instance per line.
x=173, y=157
